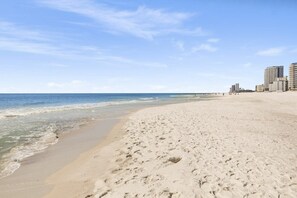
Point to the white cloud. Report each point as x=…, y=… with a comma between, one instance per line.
x=72, y=52
x=213, y=40
x=47, y=48
x=143, y=22
x=16, y=45
x=271, y=51
x=20, y=39
x=72, y=84
x=195, y=32
x=43, y=44
x=10, y=30
x=204, y=47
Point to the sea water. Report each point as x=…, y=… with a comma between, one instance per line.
x=29, y=123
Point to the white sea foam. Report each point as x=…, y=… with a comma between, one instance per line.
x=149, y=98
x=40, y=138
x=35, y=140
x=12, y=160
x=17, y=112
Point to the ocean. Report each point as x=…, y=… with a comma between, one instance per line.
x=29, y=123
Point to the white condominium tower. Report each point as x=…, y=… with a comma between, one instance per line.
x=293, y=77
x=271, y=73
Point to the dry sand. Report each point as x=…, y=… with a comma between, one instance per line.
x=233, y=146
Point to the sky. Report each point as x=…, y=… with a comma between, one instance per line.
x=142, y=46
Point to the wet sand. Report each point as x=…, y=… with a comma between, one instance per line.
x=30, y=180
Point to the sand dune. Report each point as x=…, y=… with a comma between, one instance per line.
x=234, y=146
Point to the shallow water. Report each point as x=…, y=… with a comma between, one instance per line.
x=29, y=123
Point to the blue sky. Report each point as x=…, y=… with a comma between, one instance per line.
x=142, y=46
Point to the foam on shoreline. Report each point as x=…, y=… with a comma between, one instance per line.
x=18, y=112
x=37, y=138
x=12, y=160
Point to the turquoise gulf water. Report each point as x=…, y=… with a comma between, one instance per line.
x=29, y=123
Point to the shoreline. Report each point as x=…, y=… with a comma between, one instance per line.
x=28, y=131
x=90, y=165
x=30, y=180
x=79, y=177
x=35, y=176
x=238, y=145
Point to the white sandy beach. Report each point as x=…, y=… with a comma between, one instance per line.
x=234, y=146
x=148, y=99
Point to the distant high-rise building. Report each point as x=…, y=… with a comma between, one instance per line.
x=293, y=77
x=237, y=87
x=233, y=88
x=271, y=73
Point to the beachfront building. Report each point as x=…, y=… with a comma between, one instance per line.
x=232, y=89
x=270, y=75
x=293, y=77
x=259, y=88
x=235, y=88
x=279, y=85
